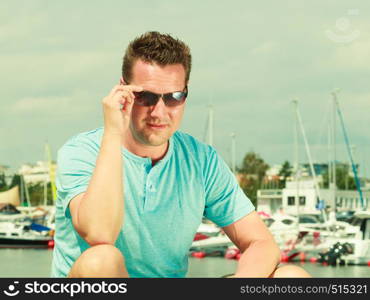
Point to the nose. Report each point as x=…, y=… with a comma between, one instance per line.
x=159, y=110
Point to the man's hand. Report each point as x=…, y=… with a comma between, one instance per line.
x=117, y=108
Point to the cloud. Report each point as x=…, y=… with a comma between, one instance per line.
x=351, y=57
x=266, y=48
x=41, y=105
x=73, y=105
x=17, y=24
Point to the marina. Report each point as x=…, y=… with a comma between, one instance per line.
x=37, y=262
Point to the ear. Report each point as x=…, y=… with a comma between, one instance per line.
x=122, y=81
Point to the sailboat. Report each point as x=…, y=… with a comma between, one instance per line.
x=17, y=228
x=333, y=240
x=26, y=226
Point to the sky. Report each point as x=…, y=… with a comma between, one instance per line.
x=59, y=59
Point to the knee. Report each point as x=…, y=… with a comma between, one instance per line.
x=290, y=271
x=102, y=256
x=100, y=261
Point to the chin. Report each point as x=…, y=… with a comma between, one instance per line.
x=155, y=139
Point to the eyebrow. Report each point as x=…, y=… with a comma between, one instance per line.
x=145, y=90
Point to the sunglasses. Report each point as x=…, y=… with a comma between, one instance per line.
x=146, y=98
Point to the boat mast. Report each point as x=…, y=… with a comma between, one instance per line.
x=51, y=173
x=308, y=152
x=45, y=192
x=354, y=168
x=22, y=192
x=23, y=182
x=334, y=171
x=296, y=159
x=329, y=155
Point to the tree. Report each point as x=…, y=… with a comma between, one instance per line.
x=252, y=171
x=343, y=180
x=253, y=164
x=285, y=172
x=3, y=185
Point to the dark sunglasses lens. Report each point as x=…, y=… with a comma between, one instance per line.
x=174, y=99
x=145, y=98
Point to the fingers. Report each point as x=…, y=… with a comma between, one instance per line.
x=121, y=87
x=122, y=97
x=126, y=94
x=127, y=106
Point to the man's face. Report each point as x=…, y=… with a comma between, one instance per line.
x=154, y=125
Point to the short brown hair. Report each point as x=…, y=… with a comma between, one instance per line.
x=161, y=49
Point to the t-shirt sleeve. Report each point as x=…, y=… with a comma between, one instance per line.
x=225, y=200
x=76, y=162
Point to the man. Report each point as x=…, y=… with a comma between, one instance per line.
x=132, y=194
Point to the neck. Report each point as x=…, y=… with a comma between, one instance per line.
x=155, y=153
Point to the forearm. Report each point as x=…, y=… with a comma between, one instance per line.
x=100, y=214
x=259, y=260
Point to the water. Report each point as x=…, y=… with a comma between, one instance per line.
x=37, y=262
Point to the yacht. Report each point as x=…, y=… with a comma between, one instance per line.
x=18, y=229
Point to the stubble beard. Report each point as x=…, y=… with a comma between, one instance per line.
x=149, y=137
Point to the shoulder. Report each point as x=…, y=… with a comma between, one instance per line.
x=187, y=143
x=85, y=140
x=191, y=148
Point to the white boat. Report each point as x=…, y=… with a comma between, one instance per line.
x=209, y=229
x=318, y=239
x=22, y=235
x=210, y=238
x=284, y=228
x=312, y=239
x=214, y=243
x=361, y=246
x=18, y=229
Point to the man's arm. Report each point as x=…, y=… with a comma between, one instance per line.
x=260, y=253
x=97, y=214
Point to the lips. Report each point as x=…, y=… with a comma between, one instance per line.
x=157, y=126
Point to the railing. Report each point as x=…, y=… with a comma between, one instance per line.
x=270, y=193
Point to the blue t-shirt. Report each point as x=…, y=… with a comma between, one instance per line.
x=164, y=203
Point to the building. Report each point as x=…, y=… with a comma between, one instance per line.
x=269, y=200
x=308, y=198
x=305, y=194
x=36, y=173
